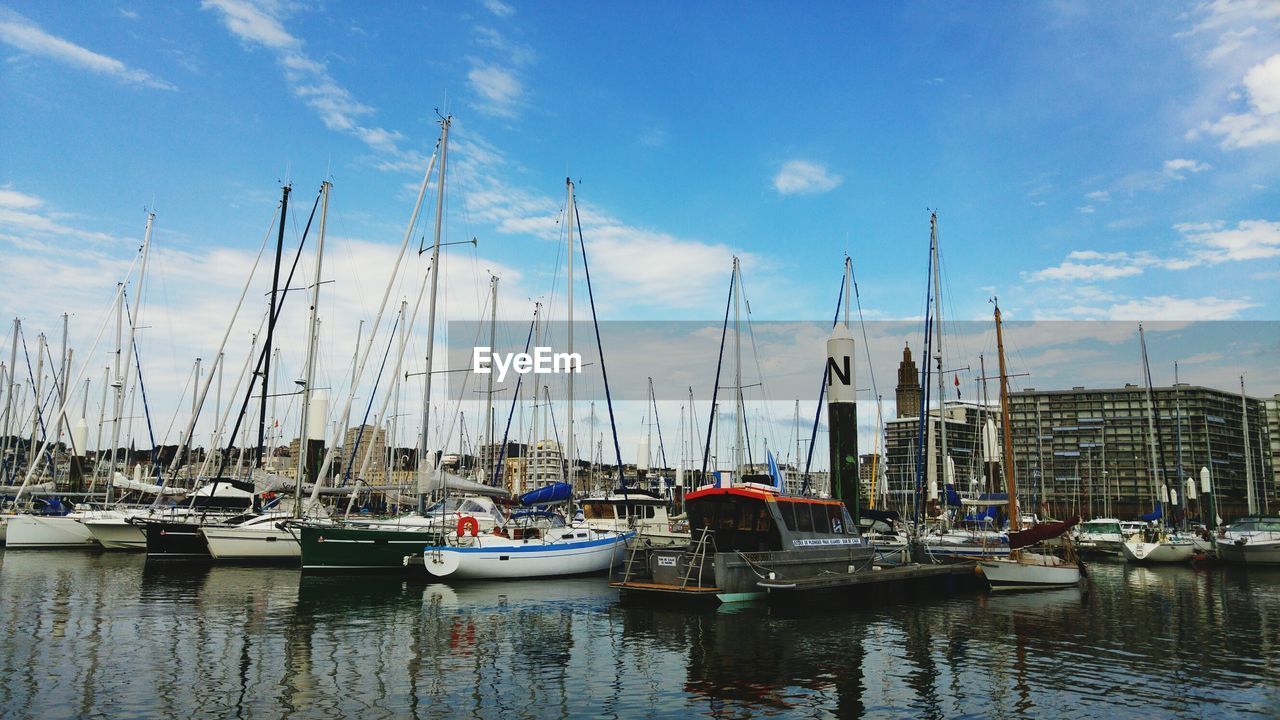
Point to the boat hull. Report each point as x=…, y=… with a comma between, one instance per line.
x=259, y=543
x=117, y=534
x=529, y=559
x=1014, y=575
x=52, y=532
x=1250, y=553
x=350, y=549
x=170, y=540
x=1138, y=551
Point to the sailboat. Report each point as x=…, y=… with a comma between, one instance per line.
x=512, y=552
x=266, y=537
x=56, y=527
x=1155, y=544
x=1024, y=570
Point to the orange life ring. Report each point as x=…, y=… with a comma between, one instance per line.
x=468, y=521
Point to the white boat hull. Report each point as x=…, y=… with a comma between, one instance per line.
x=255, y=543
x=1167, y=551
x=1251, y=553
x=115, y=533
x=1022, y=575
x=48, y=532
x=494, y=557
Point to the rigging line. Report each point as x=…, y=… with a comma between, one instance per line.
x=515, y=400
x=822, y=393
x=146, y=407
x=377, y=380
x=595, y=321
x=39, y=415
x=101, y=329
x=715, y=388
x=273, y=318
x=866, y=344
x=925, y=391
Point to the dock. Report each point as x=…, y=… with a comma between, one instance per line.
x=870, y=584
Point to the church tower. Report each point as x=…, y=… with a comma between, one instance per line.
x=908, y=386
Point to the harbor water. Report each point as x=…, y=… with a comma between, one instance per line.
x=86, y=635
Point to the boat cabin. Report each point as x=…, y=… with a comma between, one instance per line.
x=757, y=518
x=626, y=505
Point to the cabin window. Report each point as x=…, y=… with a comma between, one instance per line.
x=804, y=522
x=597, y=511
x=763, y=520
x=788, y=512
x=821, y=521
x=746, y=517
x=850, y=527
x=728, y=514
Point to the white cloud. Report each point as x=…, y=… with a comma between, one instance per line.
x=337, y=108
x=131, y=14
x=1176, y=167
x=1167, y=307
x=499, y=8
x=801, y=177
x=253, y=23
x=12, y=199
x=1209, y=243
x=1086, y=209
x=21, y=33
x=1260, y=122
x=653, y=137
x=1214, y=243
x=1099, y=196
x=1091, y=265
x=498, y=88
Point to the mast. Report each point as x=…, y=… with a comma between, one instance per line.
x=1179, y=480
x=569, y=444
x=1015, y=520
x=488, y=395
x=33, y=457
x=61, y=385
x=1151, y=424
x=11, y=397
x=102, y=420
x=426, y=464
x=271, y=326
x=309, y=364
x=937, y=328
x=1251, y=495
x=740, y=406
x=117, y=382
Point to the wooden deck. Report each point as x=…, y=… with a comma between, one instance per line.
x=868, y=577
x=890, y=580
x=664, y=588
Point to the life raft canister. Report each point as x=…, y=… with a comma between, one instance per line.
x=468, y=522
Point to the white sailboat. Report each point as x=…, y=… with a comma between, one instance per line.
x=1155, y=544
x=1023, y=570
x=268, y=537
x=549, y=552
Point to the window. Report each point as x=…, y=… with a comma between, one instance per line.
x=804, y=522
x=746, y=517
x=788, y=513
x=764, y=522
x=821, y=521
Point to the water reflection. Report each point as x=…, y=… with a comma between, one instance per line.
x=85, y=634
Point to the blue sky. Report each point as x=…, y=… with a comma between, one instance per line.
x=1115, y=160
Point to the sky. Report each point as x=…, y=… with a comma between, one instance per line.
x=1087, y=161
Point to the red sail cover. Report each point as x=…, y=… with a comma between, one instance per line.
x=1040, y=533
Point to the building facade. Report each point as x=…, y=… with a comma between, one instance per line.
x=1107, y=452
